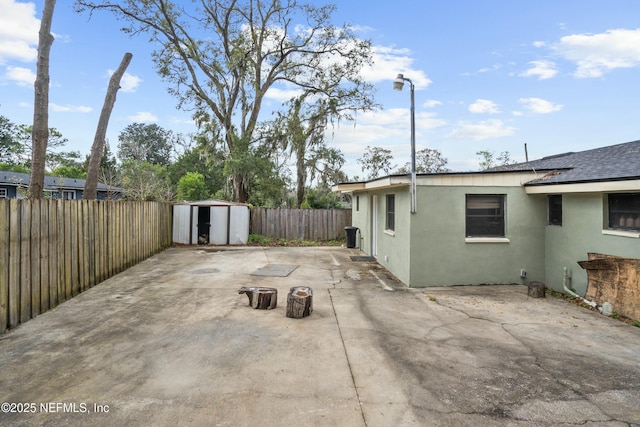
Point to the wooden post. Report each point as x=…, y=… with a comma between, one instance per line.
x=536, y=290
x=299, y=302
x=261, y=298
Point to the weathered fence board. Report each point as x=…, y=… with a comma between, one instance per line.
x=51, y=250
x=13, y=286
x=300, y=224
x=4, y=264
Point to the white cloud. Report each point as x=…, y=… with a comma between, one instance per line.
x=20, y=75
x=539, y=44
x=388, y=62
x=70, y=108
x=596, y=54
x=282, y=95
x=542, y=69
x=18, y=31
x=482, y=130
x=495, y=67
x=128, y=82
x=484, y=106
x=430, y=103
x=540, y=106
x=143, y=117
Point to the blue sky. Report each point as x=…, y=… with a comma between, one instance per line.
x=558, y=75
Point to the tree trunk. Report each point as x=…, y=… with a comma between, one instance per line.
x=239, y=191
x=91, y=185
x=301, y=175
x=40, y=135
x=299, y=302
x=536, y=290
x=261, y=298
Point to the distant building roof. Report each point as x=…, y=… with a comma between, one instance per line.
x=612, y=163
x=51, y=183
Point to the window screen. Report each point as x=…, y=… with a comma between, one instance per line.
x=485, y=215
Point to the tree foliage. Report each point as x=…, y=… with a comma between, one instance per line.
x=145, y=181
x=376, y=161
x=146, y=143
x=220, y=57
x=428, y=160
x=11, y=149
x=488, y=159
x=192, y=187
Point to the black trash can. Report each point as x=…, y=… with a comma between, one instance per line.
x=351, y=236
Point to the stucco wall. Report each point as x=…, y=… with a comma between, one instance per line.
x=361, y=218
x=583, y=219
x=441, y=256
x=429, y=248
x=392, y=248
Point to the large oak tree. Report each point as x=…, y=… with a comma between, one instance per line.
x=220, y=57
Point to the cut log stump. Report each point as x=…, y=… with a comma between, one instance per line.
x=299, y=302
x=536, y=290
x=261, y=298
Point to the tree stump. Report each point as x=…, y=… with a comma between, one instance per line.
x=536, y=290
x=299, y=302
x=261, y=298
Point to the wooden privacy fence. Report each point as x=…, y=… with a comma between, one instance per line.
x=51, y=250
x=300, y=224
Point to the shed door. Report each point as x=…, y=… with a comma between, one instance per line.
x=219, y=225
x=181, y=224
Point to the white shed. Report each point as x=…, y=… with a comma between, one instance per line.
x=214, y=222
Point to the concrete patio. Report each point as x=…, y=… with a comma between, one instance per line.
x=170, y=342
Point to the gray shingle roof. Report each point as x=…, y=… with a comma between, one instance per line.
x=50, y=182
x=612, y=163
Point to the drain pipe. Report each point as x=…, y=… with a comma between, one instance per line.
x=565, y=279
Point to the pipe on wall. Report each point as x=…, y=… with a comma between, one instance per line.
x=565, y=279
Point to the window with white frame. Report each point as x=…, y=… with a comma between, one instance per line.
x=390, y=212
x=624, y=211
x=485, y=215
x=68, y=194
x=3, y=193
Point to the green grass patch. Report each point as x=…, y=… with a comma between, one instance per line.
x=259, y=240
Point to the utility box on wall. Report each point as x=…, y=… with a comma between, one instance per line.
x=211, y=222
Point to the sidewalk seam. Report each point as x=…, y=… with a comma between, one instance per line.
x=344, y=347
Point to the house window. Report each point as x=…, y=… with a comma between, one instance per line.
x=624, y=211
x=3, y=193
x=68, y=194
x=357, y=203
x=555, y=209
x=485, y=215
x=390, y=223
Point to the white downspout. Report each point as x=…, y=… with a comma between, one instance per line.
x=565, y=279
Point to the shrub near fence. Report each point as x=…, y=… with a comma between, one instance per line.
x=300, y=224
x=51, y=250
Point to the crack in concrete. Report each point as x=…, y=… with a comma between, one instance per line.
x=536, y=362
x=346, y=354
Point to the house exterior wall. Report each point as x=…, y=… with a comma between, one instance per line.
x=10, y=190
x=442, y=256
x=583, y=220
x=393, y=247
x=429, y=248
x=361, y=217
